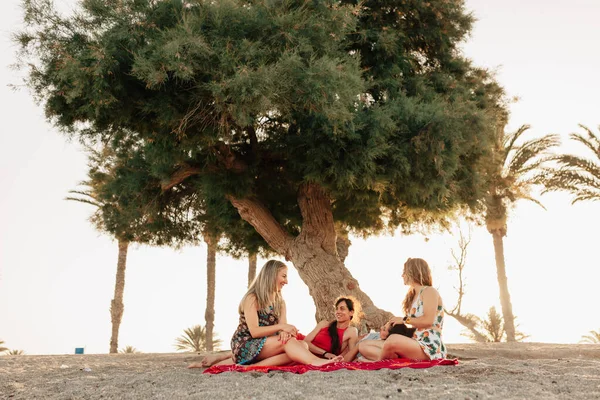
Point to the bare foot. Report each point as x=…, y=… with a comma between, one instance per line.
x=320, y=362
x=208, y=361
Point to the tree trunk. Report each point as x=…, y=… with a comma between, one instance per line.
x=313, y=252
x=209, y=316
x=507, y=313
x=251, y=268
x=116, y=304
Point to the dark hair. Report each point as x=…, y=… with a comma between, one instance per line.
x=335, y=339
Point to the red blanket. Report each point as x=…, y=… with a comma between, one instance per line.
x=300, y=369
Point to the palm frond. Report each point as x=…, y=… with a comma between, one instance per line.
x=194, y=340
x=592, y=141
x=509, y=140
x=593, y=337
x=532, y=151
x=86, y=201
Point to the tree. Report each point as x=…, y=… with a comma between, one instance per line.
x=252, y=259
x=100, y=170
x=15, y=352
x=298, y=117
x=211, y=240
x=492, y=328
x=2, y=348
x=129, y=350
x=513, y=172
x=194, y=339
x=593, y=337
x=116, y=187
x=469, y=321
x=578, y=175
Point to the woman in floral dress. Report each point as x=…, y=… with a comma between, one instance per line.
x=263, y=336
x=424, y=310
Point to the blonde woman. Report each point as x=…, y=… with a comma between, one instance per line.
x=423, y=310
x=263, y=336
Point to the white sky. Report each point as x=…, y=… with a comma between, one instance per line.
x=57, y=273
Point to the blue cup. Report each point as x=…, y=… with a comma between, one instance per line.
x=78, y=350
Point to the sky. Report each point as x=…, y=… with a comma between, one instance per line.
x=57, y=273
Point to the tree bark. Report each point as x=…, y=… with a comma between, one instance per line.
x=116, y=304
x=507, y=313
x=251, y=268
x=313, y=252
x=209, y=315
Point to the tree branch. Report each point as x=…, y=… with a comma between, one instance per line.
x=257, y=215
x=179, y=176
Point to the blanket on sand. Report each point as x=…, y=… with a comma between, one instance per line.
x=300, y=368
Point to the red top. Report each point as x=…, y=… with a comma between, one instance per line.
x=323, y=340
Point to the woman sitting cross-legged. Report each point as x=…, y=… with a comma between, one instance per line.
x=263, y=336
x=423, y=310
x=337, y=337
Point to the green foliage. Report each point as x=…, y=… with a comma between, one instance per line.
x=593, y=337
x=15, y=352
x=129, y=350
x=194, y=340
x=578, y=175
x=371, y=100
x=492, y=327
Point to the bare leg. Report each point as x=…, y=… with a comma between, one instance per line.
x=400, y=346
x=279, y=359
x=298, y=351
x=370, y=350
x=212, y=359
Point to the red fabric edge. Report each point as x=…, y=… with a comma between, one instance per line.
x=364, y=366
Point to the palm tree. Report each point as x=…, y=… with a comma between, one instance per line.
x=578, y=175
x=15, y=352
x=212, y=241
x=512, y=171
x=194, y=340
x=2, y=348
x=252, y=258
x=129, y=350
x=593, y=337
x=100, y=171
x=491, y=328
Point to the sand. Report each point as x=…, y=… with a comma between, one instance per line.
x=485, y=371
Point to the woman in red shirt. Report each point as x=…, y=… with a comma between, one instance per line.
x=332, y=338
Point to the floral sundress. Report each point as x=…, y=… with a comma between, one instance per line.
x=244, y=347
x=429, y=339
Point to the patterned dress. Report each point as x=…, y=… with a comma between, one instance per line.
x=244, y=347
x=430, y=339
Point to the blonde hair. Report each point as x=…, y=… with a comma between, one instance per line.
x=264, y=288
x=417, y=271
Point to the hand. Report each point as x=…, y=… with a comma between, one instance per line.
x=290, y=329
x=329, y=355
x=395, y=320
x=284, y=337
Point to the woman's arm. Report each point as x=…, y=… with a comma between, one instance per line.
x=311, y=336
x=256, y=331
x=430, y=298
x=350, y=350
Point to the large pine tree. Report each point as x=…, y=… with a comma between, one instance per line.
x=308, y=119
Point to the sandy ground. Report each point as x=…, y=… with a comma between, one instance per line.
x=490, y=371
